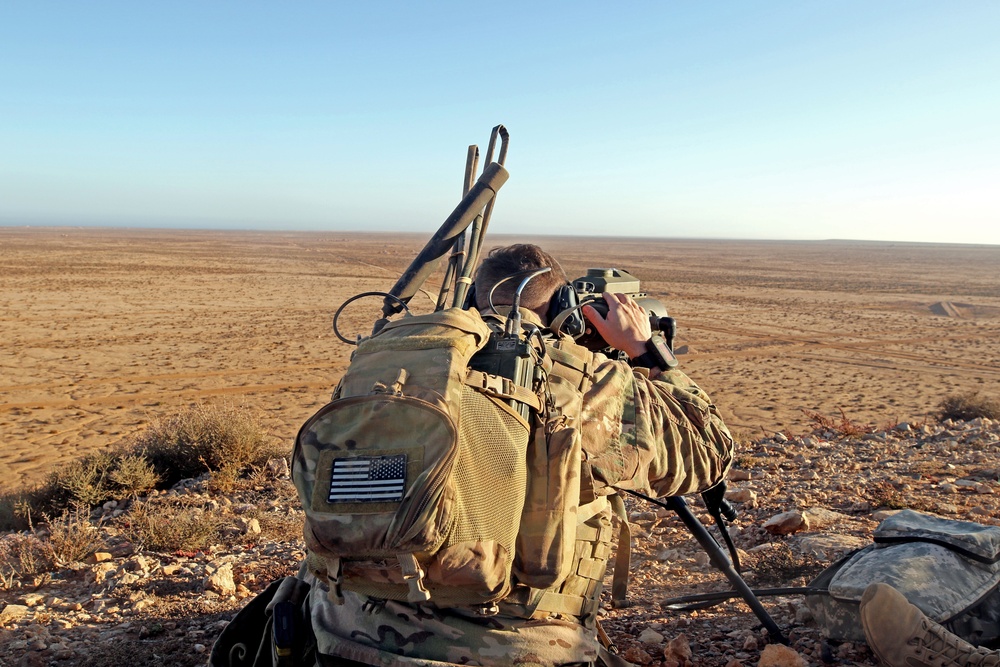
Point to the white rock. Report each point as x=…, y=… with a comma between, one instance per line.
x=32, y=599
x=221, y=581
x=820, y=517
x=12, y=612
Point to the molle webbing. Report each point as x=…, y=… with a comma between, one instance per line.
x=579, y=595
x=572, y=362
x=502, y=387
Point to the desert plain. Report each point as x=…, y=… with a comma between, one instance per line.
x=106, y=330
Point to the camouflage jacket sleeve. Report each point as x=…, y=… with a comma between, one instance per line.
x=658, y=433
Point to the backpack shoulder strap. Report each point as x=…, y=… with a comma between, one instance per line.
x=623, y=554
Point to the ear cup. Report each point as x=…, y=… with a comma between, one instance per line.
x=565, y=299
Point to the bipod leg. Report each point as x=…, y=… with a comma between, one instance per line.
x=722, y=563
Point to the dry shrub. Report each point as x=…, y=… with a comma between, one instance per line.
x=844, y=426
x=224, y=440
x=84, y=480
x=134, y=475
x=752, y=461
x=170, y=526
x=90, y=480
x=969, y=406
x=24, y=555
x=884, y=494
x=72, y=536
x=280, y=527
x=203, y=439
x=12, y=509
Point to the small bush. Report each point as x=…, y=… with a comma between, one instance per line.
x=883, y=494
x=969, y=406
x=162, y=526
x=85, y=480
x=205, y=438
x=90, y=480
x=223, y=440
x=134, y=475
x=844, y=426
x=25, y=554
x=72, y=537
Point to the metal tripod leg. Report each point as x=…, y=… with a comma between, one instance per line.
x=722, y=562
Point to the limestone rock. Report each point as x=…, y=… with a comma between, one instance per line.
x=776, y=655
x=12, y=612
x=32, y=599
x=741, y=495
x=786, y=523
x=278, y=467
x=221, y=581
x=650, y=636
x=819, y=517
x=638, y=656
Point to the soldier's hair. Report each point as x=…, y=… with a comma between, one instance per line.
x=506, y=261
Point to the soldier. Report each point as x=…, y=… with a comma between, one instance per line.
x=902, y=636
x=644, y=427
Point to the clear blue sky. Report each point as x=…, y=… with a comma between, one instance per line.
x=853, y=119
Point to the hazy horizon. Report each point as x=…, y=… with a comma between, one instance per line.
x=490, y=235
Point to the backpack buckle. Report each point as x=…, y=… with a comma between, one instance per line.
x=487, y=610
x=413, y=575
x=334, y=575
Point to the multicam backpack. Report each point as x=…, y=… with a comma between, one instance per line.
x=418, y=477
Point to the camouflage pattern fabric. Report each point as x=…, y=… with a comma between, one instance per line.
x=925, y=558
x=652, y=432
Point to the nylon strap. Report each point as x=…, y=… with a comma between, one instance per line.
x=558, y=603
x=503, y=388
x=623, y=554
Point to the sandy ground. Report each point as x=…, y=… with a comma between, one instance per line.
x=105, y=330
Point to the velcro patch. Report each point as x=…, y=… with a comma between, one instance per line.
x=368, y=479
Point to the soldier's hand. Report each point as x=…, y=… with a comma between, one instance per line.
x=626, y=327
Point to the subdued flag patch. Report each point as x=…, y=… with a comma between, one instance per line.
x=368, y=479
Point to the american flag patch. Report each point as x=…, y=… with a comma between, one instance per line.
x=368, y=479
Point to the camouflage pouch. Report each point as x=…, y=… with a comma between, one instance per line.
x=547, y=536
x=413, y=479
x=949, y=569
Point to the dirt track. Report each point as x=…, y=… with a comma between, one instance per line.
x=105, y=330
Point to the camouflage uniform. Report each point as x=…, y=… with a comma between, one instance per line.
x=646, y=431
